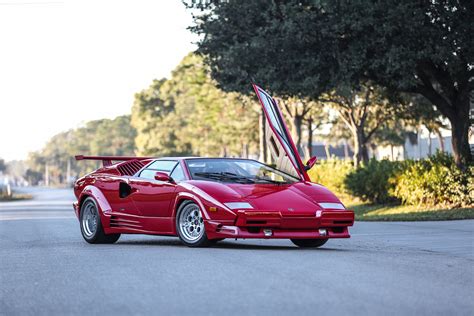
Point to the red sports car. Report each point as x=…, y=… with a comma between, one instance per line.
x=204, y=200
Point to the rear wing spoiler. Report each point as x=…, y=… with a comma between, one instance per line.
x=107, y=160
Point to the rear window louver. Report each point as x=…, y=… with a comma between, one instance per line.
x=130, y=167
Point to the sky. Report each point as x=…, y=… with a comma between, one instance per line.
x=63, y=63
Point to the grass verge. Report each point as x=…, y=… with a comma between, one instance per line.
x=377, y=212
x=15, y=197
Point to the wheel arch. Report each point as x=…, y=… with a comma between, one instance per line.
x=99, y=198
x=183, y=197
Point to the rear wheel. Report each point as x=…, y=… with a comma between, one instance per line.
x=309, y=243
x=91, y=226
x=190, y=225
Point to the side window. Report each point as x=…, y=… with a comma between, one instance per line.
x=158, y=165
x=148, y=174
x=162, y=165
x=178, y=174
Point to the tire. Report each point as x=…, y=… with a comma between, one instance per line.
x=91, y=225
x=309, y=243
x=190, y=225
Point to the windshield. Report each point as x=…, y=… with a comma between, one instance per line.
x=236, y=170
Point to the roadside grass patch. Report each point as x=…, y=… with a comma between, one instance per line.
x=393, y=212
x=15, y=197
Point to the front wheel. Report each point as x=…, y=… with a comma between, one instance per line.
x=190, y=225
x=91, y=226
x=309, y=243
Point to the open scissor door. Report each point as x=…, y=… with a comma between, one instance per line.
x=278, y=139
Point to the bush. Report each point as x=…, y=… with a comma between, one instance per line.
x=435, y=181
x=331, y=173
x=372, y=182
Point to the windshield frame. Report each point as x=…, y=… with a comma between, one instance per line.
x=282, y=173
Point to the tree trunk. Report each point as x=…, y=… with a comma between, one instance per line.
x=460, y=140
x=262, y=145
x=361, y=155
x=326, y=149
x=297, y=131
x=457, y=112
x=440, y=139
x=310, y=138
x=346, y=150
x=245, y=150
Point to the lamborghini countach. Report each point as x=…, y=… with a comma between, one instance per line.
x=205, y=200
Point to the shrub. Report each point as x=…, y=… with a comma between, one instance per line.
x=372, y=182
x=331, y=173
x=435, y=181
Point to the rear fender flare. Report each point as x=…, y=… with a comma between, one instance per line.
x=99, y=198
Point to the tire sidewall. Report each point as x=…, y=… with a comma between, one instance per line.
x=202, y=241
x=92, y=238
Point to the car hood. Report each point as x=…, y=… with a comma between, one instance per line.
x=296, y=198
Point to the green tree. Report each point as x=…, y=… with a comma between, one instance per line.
x=189, y=115
x=364, y=111
x=424, y=113
x=156, y=128
x=101, y=137
x=305, y=48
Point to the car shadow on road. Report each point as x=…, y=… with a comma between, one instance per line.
x=224, y=245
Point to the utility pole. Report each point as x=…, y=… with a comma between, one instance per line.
x=68, y=170
x=46, y=175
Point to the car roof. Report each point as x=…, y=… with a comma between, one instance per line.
x=194, y=157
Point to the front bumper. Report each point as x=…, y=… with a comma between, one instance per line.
x=277, y=226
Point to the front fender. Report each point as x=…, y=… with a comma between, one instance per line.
x=205, y=201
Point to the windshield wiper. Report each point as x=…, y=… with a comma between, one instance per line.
x=224, y=176
x=254, y=179
x=270, y=180
x=235, y=177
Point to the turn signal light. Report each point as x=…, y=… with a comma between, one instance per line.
x=212, y=209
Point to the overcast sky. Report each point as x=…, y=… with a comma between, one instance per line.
x=66, y=62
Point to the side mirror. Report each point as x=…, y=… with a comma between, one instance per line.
x=162, y=176
x=310, y=163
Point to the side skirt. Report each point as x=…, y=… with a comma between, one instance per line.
x=116, y=222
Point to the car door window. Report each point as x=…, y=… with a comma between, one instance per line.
x=178, y=174
x=158, y=165
x=148, y=174
x=162, y=165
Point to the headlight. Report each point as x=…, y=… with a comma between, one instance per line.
x=236, y=205
x=333, y=206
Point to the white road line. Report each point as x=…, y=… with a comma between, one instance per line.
x=35, y=202
x=33, y=218
x=34, y=215
x=36, y=208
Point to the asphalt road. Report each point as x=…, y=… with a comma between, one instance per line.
x=385, y=268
